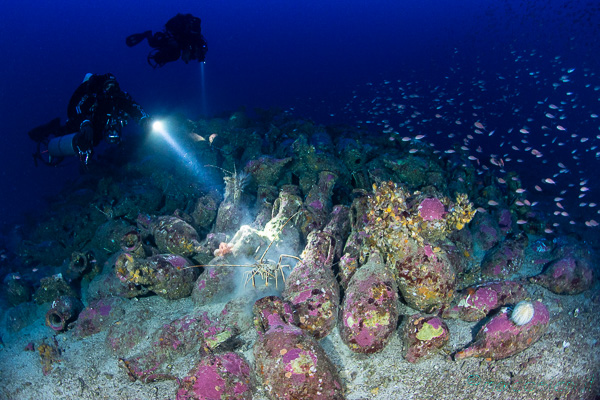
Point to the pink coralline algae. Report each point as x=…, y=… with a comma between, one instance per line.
x=123, y=337
x=431, y=209
x=475, y=303
x=505, y=221
x=216, y=377
x=98, y=315
x=426, y=283
x=485, y=231
x=316, y=204
x=501, y=338
x=370, y=309
x=291, y=362
x=270, y=311
x=429, y=251
x=423, y=337
x=212, y=282
x=567, y=275
x=506, y=258
x=173, y=340
x=312, y=288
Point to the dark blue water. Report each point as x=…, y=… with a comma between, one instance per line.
x=316, y=57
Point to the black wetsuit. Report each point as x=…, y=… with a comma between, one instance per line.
x=92, y=102
x=182, y=38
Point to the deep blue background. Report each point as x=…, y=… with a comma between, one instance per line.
x=309, y=55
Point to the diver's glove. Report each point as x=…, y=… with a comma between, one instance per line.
x=82, y=142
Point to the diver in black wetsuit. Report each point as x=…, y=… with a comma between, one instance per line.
x=98, y=110
x=182, y=37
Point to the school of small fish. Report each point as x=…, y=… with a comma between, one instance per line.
x=534, y=115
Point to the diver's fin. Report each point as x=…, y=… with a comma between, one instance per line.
x=136, y=38
x=43, y=131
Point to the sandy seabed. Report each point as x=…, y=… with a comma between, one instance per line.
x=563, y=364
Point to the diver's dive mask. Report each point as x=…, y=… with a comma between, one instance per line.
x=110, y=86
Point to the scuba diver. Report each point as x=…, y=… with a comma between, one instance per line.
x=182, y=37
x=98, y=110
